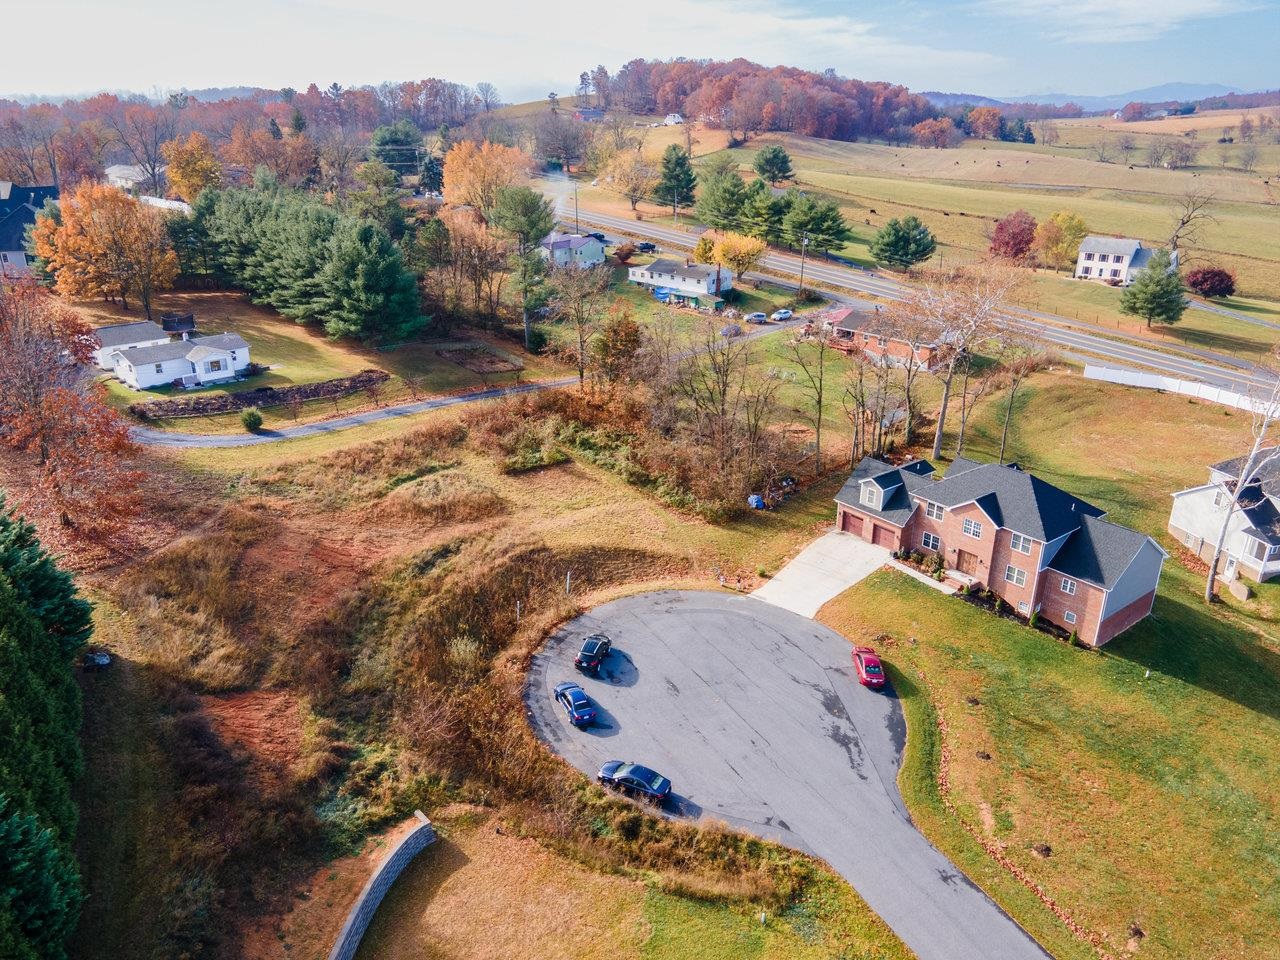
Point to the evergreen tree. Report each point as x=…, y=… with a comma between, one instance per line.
x=378, y=198
x=762, y=213
x=526, y=216
x=818, y=220
x=720, y=204
x=367, y=292
x=397, y=145
x=1156, y=294
x=40, y=585
x=677, y=179
x=40, y=893
x=903, y=243
x=774, y=165
x=274, y=129
x=297, y=122
x=431, y=176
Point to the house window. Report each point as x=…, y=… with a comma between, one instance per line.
x=1115, y=272
x=933, y=511
x=1020, y=543
x=1219, y=499
x=215, y=366
x=930, y=541
x=972, y=528
x=1015, y=576
x=159, y=368
x=870, y=495
x=1262, y=551
x=1088, y=256
x=1085, y=271
x=1024, y=607
x=1068, y=586
x=1069, y=617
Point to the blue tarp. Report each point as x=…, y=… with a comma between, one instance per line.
x=755, y=502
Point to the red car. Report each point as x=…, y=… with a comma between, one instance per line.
x=870, y=669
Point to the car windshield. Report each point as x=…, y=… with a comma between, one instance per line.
x=873, y=668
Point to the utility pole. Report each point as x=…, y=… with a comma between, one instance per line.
x=577, y=227
x=804, y=249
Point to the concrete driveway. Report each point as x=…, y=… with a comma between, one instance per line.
x=823, y=570
x=756, y=716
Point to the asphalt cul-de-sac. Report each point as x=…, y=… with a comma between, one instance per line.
x=756, y=715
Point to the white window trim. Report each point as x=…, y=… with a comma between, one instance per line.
x=870, y=495
x=1017, y=572
x=930, y=507
x=970, y=525
x=1068, y=586
x=1069, y=617
x=925, y=538
x=1017, y=538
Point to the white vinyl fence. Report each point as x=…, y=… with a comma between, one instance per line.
x=1189, y=388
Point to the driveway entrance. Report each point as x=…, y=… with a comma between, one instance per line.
x=823, y=570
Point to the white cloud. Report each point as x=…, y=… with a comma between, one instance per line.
x=1114, y=21
x=521, y=47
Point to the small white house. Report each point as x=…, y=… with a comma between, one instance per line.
x=563, y=249
x=123, y=337
x=1252, y=547
x=131, y=177
x=684, y=277
x=193, y=363
x=1115, y=260
x=673, y=120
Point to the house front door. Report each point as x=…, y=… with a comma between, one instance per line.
x=967, y=562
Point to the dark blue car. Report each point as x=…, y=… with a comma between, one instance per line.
x=576, y=703
x=636, y=781
x=593, y=653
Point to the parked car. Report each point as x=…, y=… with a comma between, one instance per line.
x=597, y=235
x=782, y=315
x=757, y=318
x=870, y=669
x=730, y=330
x=636, y=781
x=644, y=246
x=576, y=703
x=95, y=660
x=593, y=653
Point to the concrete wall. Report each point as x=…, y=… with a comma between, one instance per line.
x=388, y=871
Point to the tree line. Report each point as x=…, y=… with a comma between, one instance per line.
x=43, y=625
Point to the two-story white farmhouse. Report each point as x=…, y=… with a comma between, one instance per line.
x=120, y=337
x=1252, y=547
x=564, y=249
x=1115, y=260
x=698, y=284
x=194, y=362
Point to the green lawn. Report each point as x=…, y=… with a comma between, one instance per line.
x=1149, y=768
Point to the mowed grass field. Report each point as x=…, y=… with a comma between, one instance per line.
x=299, y=354
x=1148, y=769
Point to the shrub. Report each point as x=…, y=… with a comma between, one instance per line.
x=537, y=339
x=1212, y=281
x=251, y=420
x=625, y=252
x=1034, y=619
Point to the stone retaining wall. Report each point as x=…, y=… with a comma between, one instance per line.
x=366, y=905
x=212, y=403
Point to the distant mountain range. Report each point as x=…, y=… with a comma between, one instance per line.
x=1113, y=101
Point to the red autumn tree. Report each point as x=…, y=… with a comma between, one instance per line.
x=1014, y=235
x=935, y=133
x=51, y=410
x=984, y=123
x=1212, y=281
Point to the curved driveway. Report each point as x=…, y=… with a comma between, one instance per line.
x=755, y=714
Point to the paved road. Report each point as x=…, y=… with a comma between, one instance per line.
x=755, y=714
x=1212, y=367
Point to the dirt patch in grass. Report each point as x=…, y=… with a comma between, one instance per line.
x=480, y=360
x=267, y=724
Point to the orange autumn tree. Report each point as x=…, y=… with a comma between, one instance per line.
x=473, y=173
x=192, y=166
x=292, y=158
x=52, y=412
x=984, y=123
x=107, y=245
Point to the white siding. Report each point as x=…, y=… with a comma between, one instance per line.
x=1141, y=577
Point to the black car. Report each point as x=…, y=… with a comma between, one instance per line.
x=644, y=246
x=598, y=236
x=636, y=781
x=576, y=703
x=593, y=653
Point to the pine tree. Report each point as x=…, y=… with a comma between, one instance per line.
x=820, y=221
x=773, y=164
x=431, y=176
x=40, y=891
x=297, y=122
x=1156, y=294
x=41, y=586
x=367, y=292
x=677, y=179
x=720, y=205
x=762, y=213
x=526, y=216
x=903, y=243
x=274, y=129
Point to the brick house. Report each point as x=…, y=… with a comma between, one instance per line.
x=1036, y=546
x=849, y=332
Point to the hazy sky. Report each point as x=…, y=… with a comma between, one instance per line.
x=527, y=48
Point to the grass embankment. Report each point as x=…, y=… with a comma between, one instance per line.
x=1148, y=769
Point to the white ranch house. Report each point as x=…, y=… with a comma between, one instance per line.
x=1252, y=547
x=120, y=337
x=193, y=363
x=563, y=249
x=1116, y=260
x=701, y=284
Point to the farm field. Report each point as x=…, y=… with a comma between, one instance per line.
x=1160, y=846
x=299, y=354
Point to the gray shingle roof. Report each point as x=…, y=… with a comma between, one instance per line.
x=1099, y=552
x=692, y=271
x=194, y=349
x=1014, y=499
x=18, y=209
x=1110, y=245
x=123, y=334
x=903, y=480
x=1268, y=476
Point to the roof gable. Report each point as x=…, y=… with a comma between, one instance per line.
x=1099, y=552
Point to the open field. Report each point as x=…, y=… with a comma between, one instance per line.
x=1149, y=831
x=300, y=354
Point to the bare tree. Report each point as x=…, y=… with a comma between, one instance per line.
x=1248, y=157
x=1126, y=145
x=1264, y=452
x=1020, y=356
x=578, y=295
x=809, y=354
x=488, y=95
x=1102, y=150
x=141, y=129
x=974, y=385
x=872, y=403
x=1191, y=215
